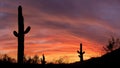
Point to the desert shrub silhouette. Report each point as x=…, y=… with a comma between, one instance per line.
x=5, y=59
x=113, y=44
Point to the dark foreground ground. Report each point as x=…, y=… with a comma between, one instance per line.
x=75, y=65
x=109, y=60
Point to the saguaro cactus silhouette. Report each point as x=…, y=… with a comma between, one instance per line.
x=81, y=53
x=43, y=60
x=20, y=35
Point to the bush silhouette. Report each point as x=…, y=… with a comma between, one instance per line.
x=5, y=59
x=113, y=43
x=36, y=59
x=33, y=60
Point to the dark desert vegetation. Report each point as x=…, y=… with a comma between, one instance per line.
x=80, y=52
x=20, y=35
x=111, y=58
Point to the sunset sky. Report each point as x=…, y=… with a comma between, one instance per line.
x=59, y=26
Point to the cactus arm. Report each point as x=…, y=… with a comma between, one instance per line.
x=15, y=33
x=27, y=30
x=83, y=52
x=78, y=51
x=79, y=55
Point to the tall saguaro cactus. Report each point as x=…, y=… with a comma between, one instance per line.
x=81, y=53
x=20, y=35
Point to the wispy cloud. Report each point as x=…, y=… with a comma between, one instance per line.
x=60, y=25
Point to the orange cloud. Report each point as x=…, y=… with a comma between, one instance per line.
x=58, y=27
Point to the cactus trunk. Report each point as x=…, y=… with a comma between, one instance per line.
x=43, y=60
x=20, y=35
x=81, y=53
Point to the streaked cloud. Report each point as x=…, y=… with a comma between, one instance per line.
x=58, y=26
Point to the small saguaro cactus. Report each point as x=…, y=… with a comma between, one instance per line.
x=81, y=53
x=43, y=60
x=20, y=35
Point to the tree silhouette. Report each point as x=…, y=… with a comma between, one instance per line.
x=20, y=35
x=5, y=59
x=80, y=52
x=24, y=59
x=36, y=59
x=32, y=60
x=29, y=61
x=60, y=61
x=113, y=44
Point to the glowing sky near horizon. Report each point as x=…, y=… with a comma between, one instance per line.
x=59, y=26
